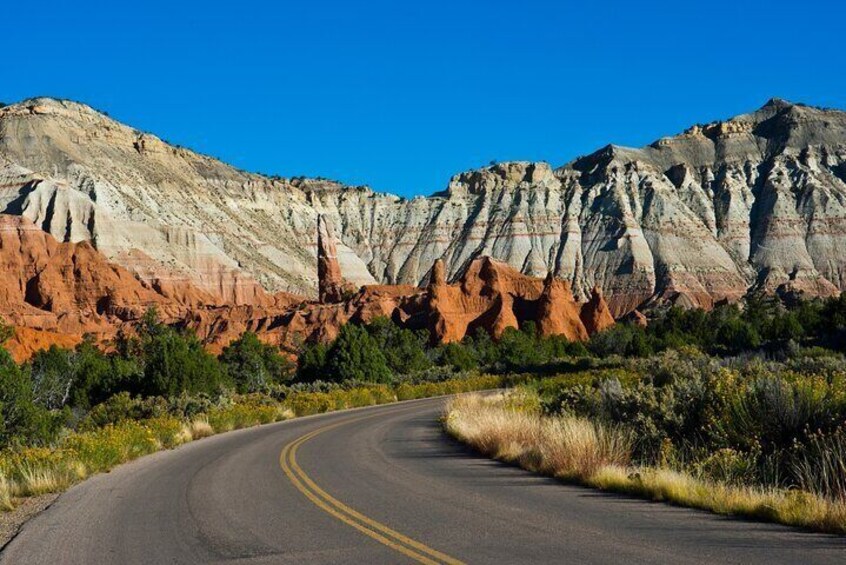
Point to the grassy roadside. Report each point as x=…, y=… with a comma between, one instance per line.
x=33, y=471
x=505, y=427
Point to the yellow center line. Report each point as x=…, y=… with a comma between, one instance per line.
x=369, y=527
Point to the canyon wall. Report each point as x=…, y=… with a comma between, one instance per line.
x=754, y=202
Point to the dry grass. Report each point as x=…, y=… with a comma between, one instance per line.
x=584, y=452
x=194, y=430
x=571, y=448
x=6, y=494
x=35, y=480
x=200, y=428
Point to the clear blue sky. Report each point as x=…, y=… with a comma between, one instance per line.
x=401, y=95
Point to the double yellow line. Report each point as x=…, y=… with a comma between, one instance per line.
x=369, y=527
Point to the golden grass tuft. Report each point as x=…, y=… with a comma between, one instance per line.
x=36, y=480
x=572, y=448
x=200, y=428
x=577, y=450
x=6, y=493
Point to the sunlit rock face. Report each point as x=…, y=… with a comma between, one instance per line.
x=754, y=202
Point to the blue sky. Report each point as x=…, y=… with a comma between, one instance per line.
x=401, y=95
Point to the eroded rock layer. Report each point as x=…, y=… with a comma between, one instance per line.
x=754, y=202
x=54, y=293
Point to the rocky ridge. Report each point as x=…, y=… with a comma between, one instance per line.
x=754, y=202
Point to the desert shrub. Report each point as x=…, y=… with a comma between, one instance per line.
x=355, y=355
x=116, y=409
x=105, y=447
x=313, y=386
x=771, y=413
x=52, y=372
x=253, y=366
x=308, y=403
x=312, y=363
x=378, y=352
x=483, y=348
x=157, y=360
x=176, y=362
x=727, y=465
x=735, y=335
x=817, y=361
x=94, y=373
x=761, y=322
x=624, y=339
x=22, y=420
x=435, y=374
x=517, y=349
x=558, y=347
x=243, y=414
x=670, y=402
x=189, y=406
x=821, y=467
x=744, y=420
x=457, y=356
x=404, y=350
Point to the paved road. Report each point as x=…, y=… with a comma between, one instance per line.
x=378, y=485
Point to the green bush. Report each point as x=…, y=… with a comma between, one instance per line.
x=157, y=361
x=254, y=366
x=94, y=374
x=176, y=362
x=457, y=356
x=404, y=350
x=23, y=420
x=741, y=421
x=356, y=356
x=626, y=339
x=312, y=363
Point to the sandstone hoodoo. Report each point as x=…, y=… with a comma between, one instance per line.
x=558, y=314
x=331, y=285
x=595, y=313
x=492, y=297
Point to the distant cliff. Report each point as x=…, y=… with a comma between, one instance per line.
x=755, y=202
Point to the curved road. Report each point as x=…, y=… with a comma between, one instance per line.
x=377, y=485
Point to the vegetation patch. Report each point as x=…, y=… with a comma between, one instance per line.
x=512, y=428
x=743, y=399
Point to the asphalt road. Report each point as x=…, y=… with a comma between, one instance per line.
x=378, y=485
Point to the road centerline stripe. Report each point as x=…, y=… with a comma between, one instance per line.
x=364, y=524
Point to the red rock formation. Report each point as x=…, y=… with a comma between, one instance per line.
x=558, y=312
x=331, y=284
x=26, y=341
x=489, y=296
x=493, y=297
x=54, y=293
x=595, y=313
x=65, y=287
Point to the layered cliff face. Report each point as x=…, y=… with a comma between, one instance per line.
x=755, y=202
x=163, y=212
